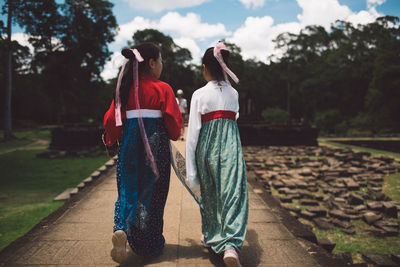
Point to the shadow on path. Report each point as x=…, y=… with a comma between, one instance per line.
x=252, y=252
x=187, y=254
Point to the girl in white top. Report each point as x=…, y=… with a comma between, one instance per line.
x=214, y=158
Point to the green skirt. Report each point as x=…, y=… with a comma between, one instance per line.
x=222, y=174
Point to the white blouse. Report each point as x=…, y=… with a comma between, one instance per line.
x=213, y=96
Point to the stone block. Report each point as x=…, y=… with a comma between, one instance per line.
x=390, y=210
x=88, y=180
x=307, y=215
x=355, y=199
x=102, y=169
x=375, y=206
x=339, y=215
x=95, y=174
x=351, y=184
x=110, y=163
x=286, y=199
x=309, y=202
x=80, y=186
x=371, y=217
x=323, y=224
x=379, y=259
x=326, y=244
x=74, y=191
x=318, y=211
x=64, y=195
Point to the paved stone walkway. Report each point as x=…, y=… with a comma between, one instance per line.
x=36, y=145
x=81, y=235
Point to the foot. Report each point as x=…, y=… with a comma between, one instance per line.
x=231, y=258
x=118, y=251
x=203, y=240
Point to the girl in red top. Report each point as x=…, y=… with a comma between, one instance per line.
x=143, y=116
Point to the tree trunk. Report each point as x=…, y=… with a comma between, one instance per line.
x=8, y=134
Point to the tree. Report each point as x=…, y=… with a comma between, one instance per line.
x=25, y=13
x=8, y=134
x=70, y=49
x=347, y=75
x=383, y=95
x=177, y=70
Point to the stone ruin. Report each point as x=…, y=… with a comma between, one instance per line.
x=337, y=186
x=75, y=140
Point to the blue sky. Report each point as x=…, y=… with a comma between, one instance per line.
x=250, y=24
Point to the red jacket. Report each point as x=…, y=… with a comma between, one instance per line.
x=153, y=94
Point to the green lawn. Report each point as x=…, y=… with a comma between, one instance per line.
x=374, y=152
x=29, y=184
x=359, y=243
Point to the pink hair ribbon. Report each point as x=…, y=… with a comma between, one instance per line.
x=217, y=54
x=118, y=121
x=138, y=57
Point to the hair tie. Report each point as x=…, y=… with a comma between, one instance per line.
x=225, y=70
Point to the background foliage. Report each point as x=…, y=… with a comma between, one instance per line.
x=345, y=80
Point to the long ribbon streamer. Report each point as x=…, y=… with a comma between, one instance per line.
x=118, y=120
x=217, y=54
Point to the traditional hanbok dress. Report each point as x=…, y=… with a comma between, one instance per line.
x=214, y=160
x=139, y=208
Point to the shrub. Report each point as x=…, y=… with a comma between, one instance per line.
x=327, y=121
x=275, y=115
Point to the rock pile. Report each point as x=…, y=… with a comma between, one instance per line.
x=336, y=185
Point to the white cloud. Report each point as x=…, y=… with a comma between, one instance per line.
x=110, y=71
x=256, y=35
x=127, y=30
x=22, y=39
x=363, y=17
x=374, y=3
x=185, y=31
x=160, y=5
x=326, y=12
x=322, y=12
x=253, y=3
x=192, y=46
x=190, y=26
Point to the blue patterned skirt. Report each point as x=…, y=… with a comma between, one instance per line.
x=139, y=210
x=222, y=174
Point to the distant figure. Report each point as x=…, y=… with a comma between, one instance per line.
x=143, y=116
x=182, y=103
x=214, y=158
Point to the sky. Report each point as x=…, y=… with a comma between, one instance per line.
x=250, y=24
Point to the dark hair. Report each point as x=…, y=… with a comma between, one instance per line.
x=147, y=51
x=212, y=63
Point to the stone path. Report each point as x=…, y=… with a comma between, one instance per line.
x=36, y=145
x=80, y=234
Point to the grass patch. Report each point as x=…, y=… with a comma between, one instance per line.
x=361, y=242
x=23, y=138
x=29, y=184
x=391, y=186
x=374, y=152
